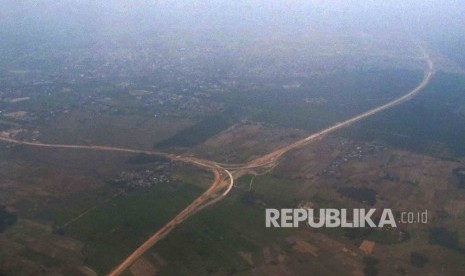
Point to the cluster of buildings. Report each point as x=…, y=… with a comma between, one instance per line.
x=153, y=78
x=20, y=134
x=357, y=152
x=141, y=179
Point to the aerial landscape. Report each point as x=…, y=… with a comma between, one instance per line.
x=211, y=137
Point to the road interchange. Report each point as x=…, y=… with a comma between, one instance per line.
x=224, y=174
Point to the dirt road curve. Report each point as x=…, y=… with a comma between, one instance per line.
x=224, y=174
x=199, y=203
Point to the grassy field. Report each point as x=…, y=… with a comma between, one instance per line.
x=68, y=196
x=211, y=241
x=112, y=231
x=353, y=93
x=432, y=123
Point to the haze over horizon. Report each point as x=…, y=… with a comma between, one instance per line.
x=103, y=19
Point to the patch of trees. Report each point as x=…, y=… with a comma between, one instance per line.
x=362, y=195
x=358, y=234
x=393, y=236
x=250, y=198
x=418, y=259
x=6, y=219
x=446, y=238
x=198, y=133
x=370, y=268
x=143, y=158
x=460, y=174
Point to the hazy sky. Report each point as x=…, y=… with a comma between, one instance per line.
x=440, y=14
x=82, y=20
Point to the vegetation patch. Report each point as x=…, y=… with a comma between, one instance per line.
x=362, y=195
x=460, y=174
x=197, y=133
x=370, y=268
x=6, y=219
x=432, y=123
x=142, y=158
x=446, y=238
x=210, y=242
x=418, y=259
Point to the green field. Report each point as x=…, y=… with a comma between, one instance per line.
x=432, y=123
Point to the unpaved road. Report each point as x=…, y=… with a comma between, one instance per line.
x=224, y=174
